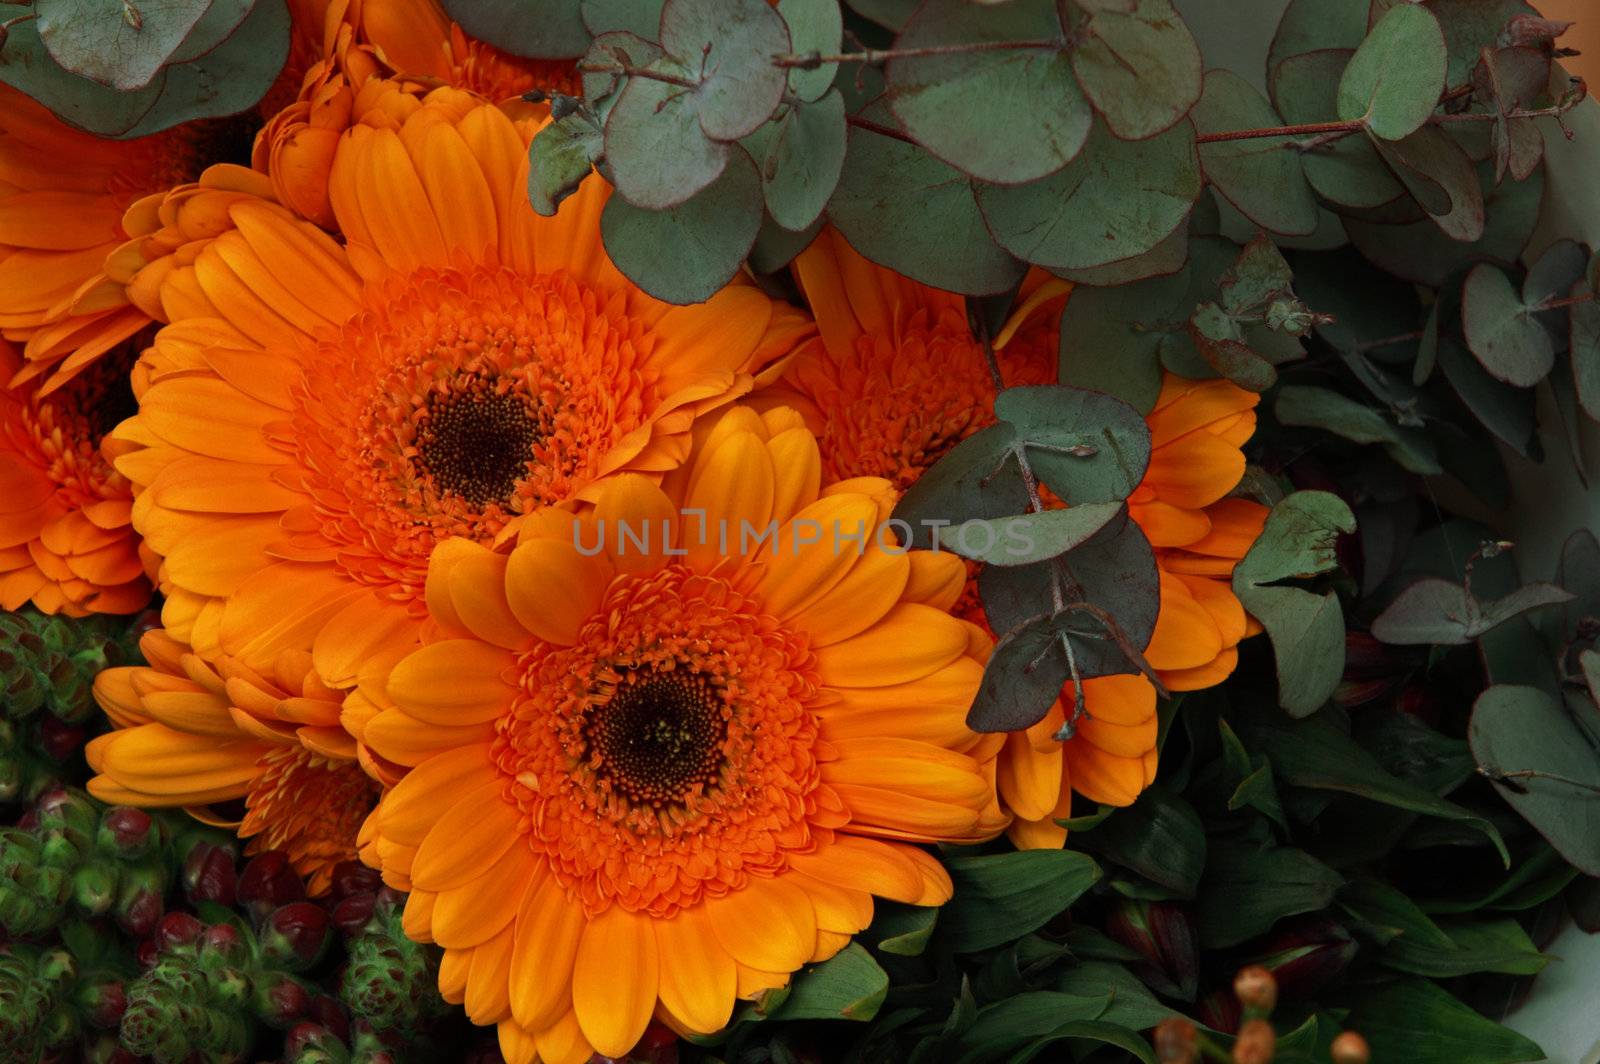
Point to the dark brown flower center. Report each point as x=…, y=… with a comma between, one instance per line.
x=476, y=443
x=659, y=735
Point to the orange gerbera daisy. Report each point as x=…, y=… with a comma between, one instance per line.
x=197, y=734
x=63, y=194
x=317, y=417
x=660, y=763
x=899, y=380
x=65, y=541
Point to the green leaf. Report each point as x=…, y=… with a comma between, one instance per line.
x=1441, y=612
x=1140, y=68
x=848, y=986
x=1506, y=411
x=1313, y=753
x=1248, y=889
x=728, y=47
x=1262, y=177
x=1159, y=836
x=964, y=485
x=1108, y=343
x=1415, y=1021
x=121, y=46
x=814, y=26
x=1505, y=337
x=1396, y=77
x=776, y=246
x=1013, y=1021
x=904, y=930
x=1008, y=115
x=642, y=18
x=551, y=29
x=1584, y=336
x=221, y=20
x=1311, y=407
x=904, y=209
x=561, y=156
x=1306, y=629
x=1439, y=175
x=1347, y=172
x=1022, y=539
x=1472, y=25
x=1414, y=943
x=802, y=166
x=655, y=149
x=1317, y=25
x=1220, y=341
x=686, y=254
x=1117, y=200
x=1132, y=1004
x=1085, y=446
x=1088, y=1031
x=1022, y=678
x=1523, y=730
x=1002, y=897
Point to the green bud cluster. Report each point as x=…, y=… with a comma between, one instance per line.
x=391, y=982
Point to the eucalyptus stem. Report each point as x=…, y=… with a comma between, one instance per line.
x=873, y=56
x=1535, y=774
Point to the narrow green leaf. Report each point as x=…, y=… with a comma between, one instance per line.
x=1159, y=836
x=1248, y=889
x=1000, y=898
x=1299, y=404
x=1397, y=75
x=1415, y=1021
x=848, y=986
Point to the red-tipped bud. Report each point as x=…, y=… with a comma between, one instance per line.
x=178, y=929
x=139, y=912
x=209, y=875
x=221, y=944
x=282, y=1001
x=268, y=881
x=103, y=1002
x=1350, y=1048
x=353, y=877
x=125, y=831
x=1176, y=1041
x=1305, y=954
x=1163, y=934
x=1257, y=1043
x=148, y=953
x=329, y=1014
x=311, y=1041
x=59, y=740
x=295, y=935
x=353, y=913
x=1256, y=989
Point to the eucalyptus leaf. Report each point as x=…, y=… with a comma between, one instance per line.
x=1395, y=79
x=1262, y=177
x=802, y=166
x=1111, y=338
x=1505, y=411
x=1440, y=176
x=1312, y=407
x=1502, y=332
x=1585, y=340
x=106, y=44
x=687, y=253
x=1306, y=629
x=904, y=209
x=977, y=478
x=727, y=47
x=1140, y=68
x=1346, y=171
x=562, y=154
x=641, y=18
x=551, y=29
x=814, y=26
x=1440, y=612
x=657, y=153
x=1008, y=115
x=1317, y=25
x=1544, y=765
x=1085, y=446
x=1022, y=539
x=1119, y=199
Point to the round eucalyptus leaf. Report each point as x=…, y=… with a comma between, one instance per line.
x=1471, y=26
x=1346, y=171
x=658, y=154
x=814, y=26
x=1086, y=446
x=229, y=79
x=801, y=168
x=1119, y=199
x=1141, y=68
x=1111, y=338
x=641, y=18
x=1506, y=411
x=904, y=209
x=561, y=156
x=727, y=48
x=1396, y=77
x=120, y=45
x=1165, y=258
x=776, y=246
x=218, y=23
x=1438, y=174
x=620, y=49
x=688, y=253
x=550, y=29
x=26, y=66
x=1263, y=178
x=1501, y=332
x=1009, y=115
x=1316, y=26
x=890, y=14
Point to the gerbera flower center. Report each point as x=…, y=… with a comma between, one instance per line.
x=476, y=442
x=659, y=736
x=62, y=431
x=455, y=401
x=672, y=751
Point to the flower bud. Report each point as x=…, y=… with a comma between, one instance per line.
x=1163, y=934
x=139, y=907
x=281, y=1001
x=268, y=881
x=10, y=777
x=1349, y=1048
x=94, y=888
x=310, y=1043
x=1257, y=1043
x=58, y=740
x=221, y=945
x=352, y=877
x=209, y=875
x=1219, y=1010
x=125, y=831
x=1256, y=989
x=102, y=1001
x=1305, y=954
x=1176, y=1042
x=178, y=929
x=106, y=1050
x=354, y=913
x=295, y=935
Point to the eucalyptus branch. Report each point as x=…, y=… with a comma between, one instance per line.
x=1511, y=778
x=1387, y=341
x=627, y=70
x=878, y=127
x=873, y=56
x=1326, y=132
